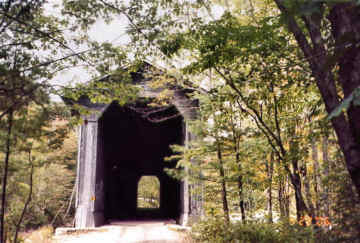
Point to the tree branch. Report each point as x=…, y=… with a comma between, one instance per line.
x=44, y=34
x=231, y=83
x=296, y=30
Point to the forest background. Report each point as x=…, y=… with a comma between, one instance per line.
x=278, y=125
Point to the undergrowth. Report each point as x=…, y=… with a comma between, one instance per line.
x=215, y=230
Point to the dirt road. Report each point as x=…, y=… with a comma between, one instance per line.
x=125, y=232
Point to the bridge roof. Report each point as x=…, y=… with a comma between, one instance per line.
x=142, y=78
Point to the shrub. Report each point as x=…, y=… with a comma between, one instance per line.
x=214, y=230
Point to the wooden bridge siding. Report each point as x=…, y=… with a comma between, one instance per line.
x=89, y=206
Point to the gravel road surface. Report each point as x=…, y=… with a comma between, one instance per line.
x=124, y=232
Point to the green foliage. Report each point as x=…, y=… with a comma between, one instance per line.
x=51, y=191
x=211, y=230
x=214, y=230
x=346, y=208
x=38, y=136
x=35, y=46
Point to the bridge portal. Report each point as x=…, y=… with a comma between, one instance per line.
x=120, y=144
x=134, y=146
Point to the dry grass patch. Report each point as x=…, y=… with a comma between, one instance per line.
x=41, y=235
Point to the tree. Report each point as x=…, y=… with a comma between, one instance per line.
x=333, y=61
x=38, y=45
x=26, y=150
x=247, y=62
x=5, y=175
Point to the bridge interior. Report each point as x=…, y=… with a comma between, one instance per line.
x=134, y=142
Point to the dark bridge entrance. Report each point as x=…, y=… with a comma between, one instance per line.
x=135, y=145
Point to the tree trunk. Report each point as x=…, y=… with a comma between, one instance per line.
x=6, y=170
x=241, y=199
x=236, y=141
x=301, y=208
x=283, y=197
x=295, y=178
x=281, y=193
x=287, y=197
x=345, y=23
x=325, y=194
x=269, y=172
x=345, y=28
x=315, y=158
x=223, y=184
x=308, y=193
x=27, y=201
x=240, y=187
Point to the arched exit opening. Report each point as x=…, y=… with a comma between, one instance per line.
x=148, y=198
x=133, y=148
x=148, y=193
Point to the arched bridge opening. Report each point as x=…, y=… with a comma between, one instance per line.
x=134, y=141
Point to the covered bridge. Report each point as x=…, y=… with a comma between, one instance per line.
x=120, y=144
